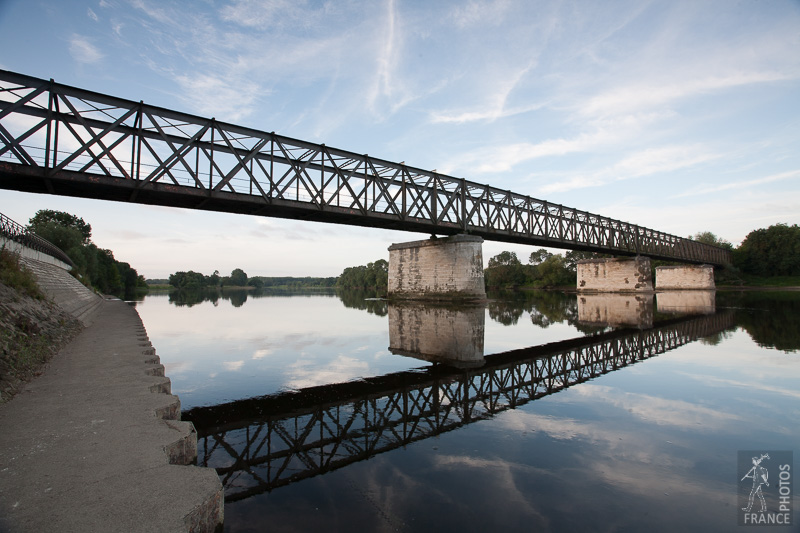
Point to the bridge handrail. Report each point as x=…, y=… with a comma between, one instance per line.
x=18, y=233
x=167, y=147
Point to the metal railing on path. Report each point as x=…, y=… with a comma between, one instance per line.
x=19, y=234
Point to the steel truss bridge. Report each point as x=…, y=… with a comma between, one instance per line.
x=68, y=141
x=261, y=444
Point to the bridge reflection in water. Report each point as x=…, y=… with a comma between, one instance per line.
x=260, y=444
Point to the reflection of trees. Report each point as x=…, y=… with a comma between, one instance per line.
x=507, y=309
x=190, y=297
x=545, y=308
x=716, y=339
x=772, y=319
x=237, y=297
x=361, y=299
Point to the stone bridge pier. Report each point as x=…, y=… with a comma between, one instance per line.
x=446, y=268
x=635, y=275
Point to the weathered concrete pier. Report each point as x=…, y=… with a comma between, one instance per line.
x=635, y=275
x=448, y=268
x=685, y=277
x=96, y=442
x=615, y=275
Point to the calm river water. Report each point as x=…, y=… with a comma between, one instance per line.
x=539, y=411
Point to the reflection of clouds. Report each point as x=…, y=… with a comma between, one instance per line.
x=176, y=367
x=722, y=382
x=641, y=463
x=661, y=411
x=500, y=472
x=233, y=365
x=307, y=373
x=260, y=354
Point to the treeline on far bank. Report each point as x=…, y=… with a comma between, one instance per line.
x=191, y=280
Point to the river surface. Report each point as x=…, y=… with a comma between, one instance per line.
x=539, y=411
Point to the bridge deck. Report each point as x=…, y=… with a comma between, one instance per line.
x=63, y=140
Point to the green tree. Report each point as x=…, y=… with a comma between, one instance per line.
x=706, y=237
x=370, y=276
x=774, y=251
x=238, y=278
x=187, y=280
x=553, y=272
x=95, y=266
x=504, y=270
x=538, y=257
x=45, y=217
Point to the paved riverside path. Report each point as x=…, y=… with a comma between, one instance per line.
x=95, y=443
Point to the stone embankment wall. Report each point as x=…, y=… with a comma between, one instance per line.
x=64, y=290
x=96, y=443
x=437, y=269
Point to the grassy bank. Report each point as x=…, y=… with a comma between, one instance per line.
x=32, y=329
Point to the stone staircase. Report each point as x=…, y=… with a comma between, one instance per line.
x=63, y=289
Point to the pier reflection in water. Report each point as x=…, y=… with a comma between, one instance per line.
x=438, y=333
x=616, y=310
x=261, y=444
x=687, y=302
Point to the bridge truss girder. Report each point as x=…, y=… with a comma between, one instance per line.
x=64, y=140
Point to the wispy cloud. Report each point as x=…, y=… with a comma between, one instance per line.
x=645, y=163
x=744, y=184
x=639, y=96
x=497, y=105
x=83, y=51
x=217, y=96
x=482, y=14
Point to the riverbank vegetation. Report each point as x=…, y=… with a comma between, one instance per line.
x=95, y=267
x=372, y=276
x=32, y=329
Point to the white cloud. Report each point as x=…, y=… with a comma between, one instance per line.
x=84, y=51
x=744, y=184
x=644, y=163
x=92, y=15
x=218, y=96
x=647, y=96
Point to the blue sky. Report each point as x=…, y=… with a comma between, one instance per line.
x=678, y=116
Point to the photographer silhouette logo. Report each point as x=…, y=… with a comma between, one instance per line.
x=765, y=488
